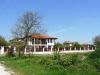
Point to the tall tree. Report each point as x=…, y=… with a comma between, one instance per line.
x=3, y=42
x=27, y=25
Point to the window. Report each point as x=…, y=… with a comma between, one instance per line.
x=43, y=41
x=50, y=40
x=37, y=41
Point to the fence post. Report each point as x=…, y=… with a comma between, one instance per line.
x=84, y=48
x=93, y=48
x=51, y=49
x=88, y=48
x=2, y=49
x=80, y=48
x=25, y=50
x=64, y=49
x=14, y=49
x=75, y=48
x=58, y=49
x=43, y=49
x=70, y=49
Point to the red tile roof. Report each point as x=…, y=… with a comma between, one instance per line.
x=43, y=37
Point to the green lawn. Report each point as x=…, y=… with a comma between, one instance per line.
x=69, y=64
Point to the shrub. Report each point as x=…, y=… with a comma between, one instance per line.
x=95, y=57
x=58, y=45
x=97, y=64
x=10, y=52
x=49, y=63
x=68, y=60
x=75, y=59
x=95, y=54
x=56, y=55
x=65, y=61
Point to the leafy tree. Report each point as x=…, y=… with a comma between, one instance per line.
x=96, y=53
x=76, y=44
x=95, y=56
x=97, y=41
x=59, y=45
x=3, y=42
x=19, y=44
x=56, y=54
x=66, y=44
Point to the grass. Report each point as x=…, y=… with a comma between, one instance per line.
x=69, y=64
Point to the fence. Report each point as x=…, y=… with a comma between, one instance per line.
x=61, y=50
x=32, y=50
x=5, y=49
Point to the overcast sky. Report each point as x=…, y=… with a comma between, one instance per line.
x=73, y=20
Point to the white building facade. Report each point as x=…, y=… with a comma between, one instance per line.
x=41, y=43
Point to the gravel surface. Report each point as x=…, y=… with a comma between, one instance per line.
x=4, y=71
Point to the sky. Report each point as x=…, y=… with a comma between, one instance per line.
x=68, y=20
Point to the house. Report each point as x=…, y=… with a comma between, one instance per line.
x=68, y=44
x=44, y=44
x=39, y=43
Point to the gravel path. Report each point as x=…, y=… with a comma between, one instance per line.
x=4, y=71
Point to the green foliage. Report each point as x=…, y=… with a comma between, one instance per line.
x=61, y=60
x=97, y=64
x=20, y=45
x=47, y=65
x=3, y=42
x=59, y=45
x=68, y=60
x=95, y=54
x=77, y=45
x=97, y=41
x=56, y=55
x=95, y=57
x=10, y=52
x=66, y=44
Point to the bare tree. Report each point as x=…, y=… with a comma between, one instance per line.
x=27, y=25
